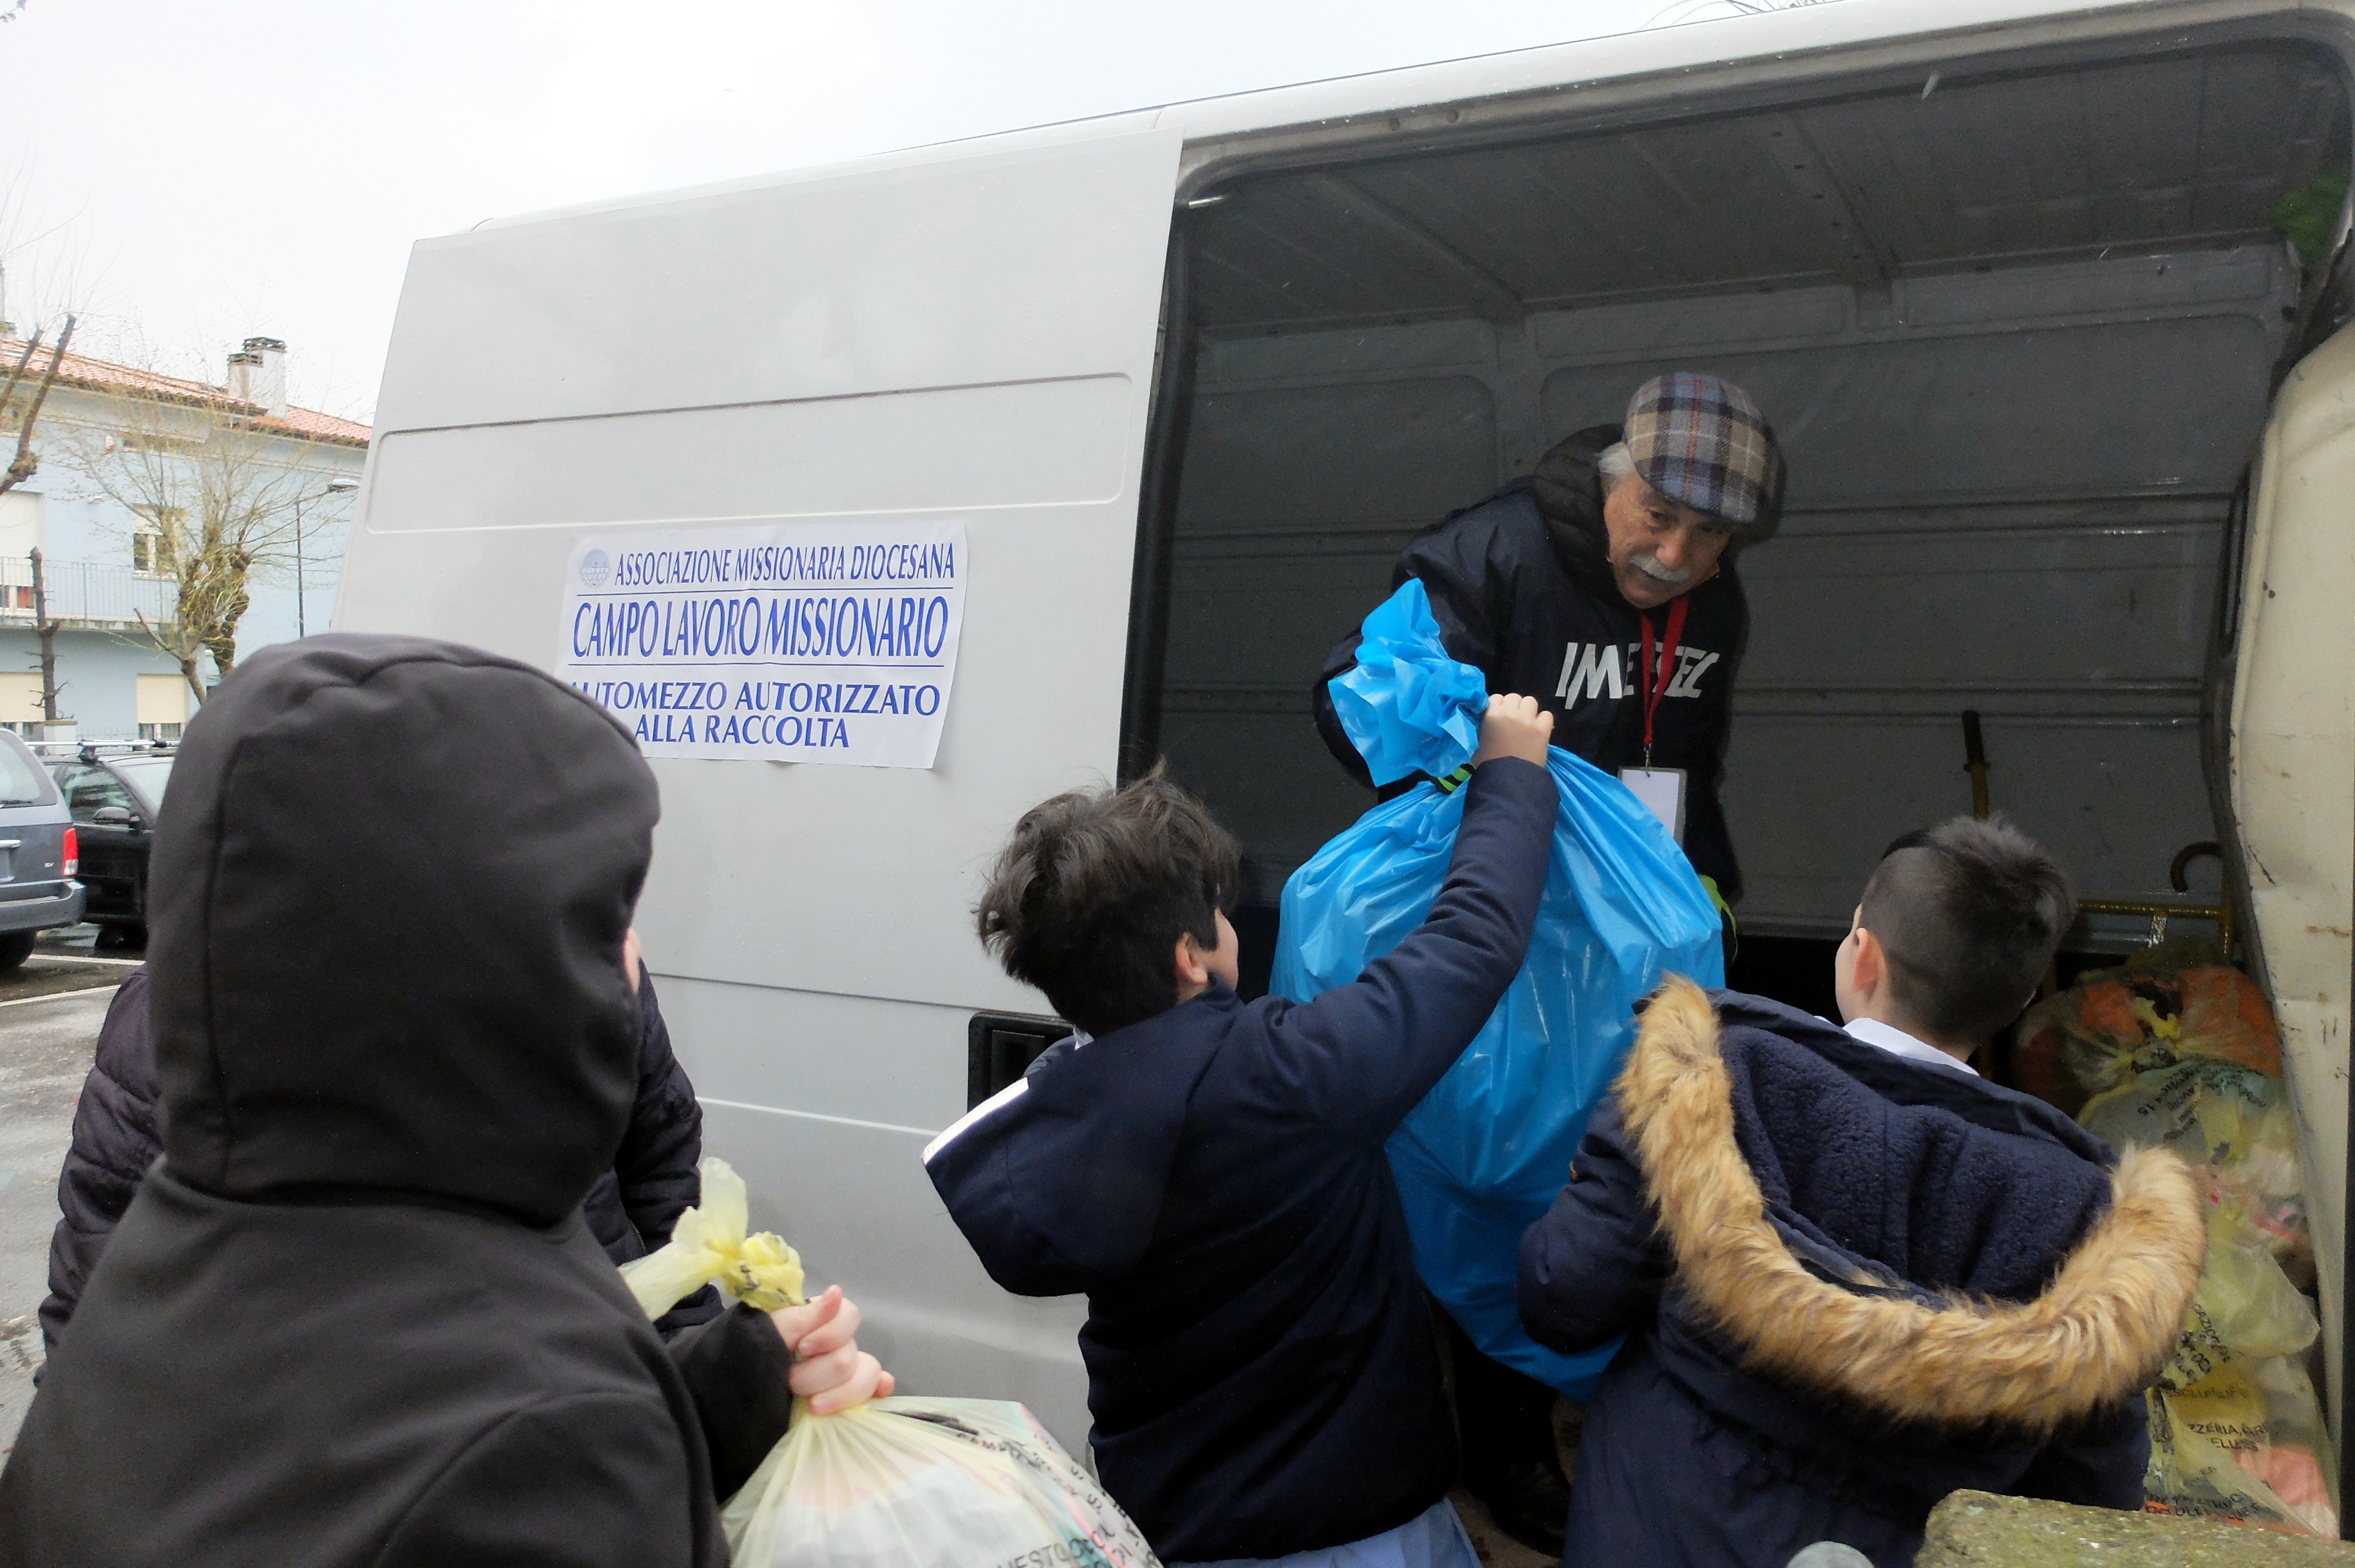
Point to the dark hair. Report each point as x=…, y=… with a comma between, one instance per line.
x=1094, y=889
x=1969, y=913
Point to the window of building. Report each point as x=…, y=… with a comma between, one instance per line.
x=150, y=547
x=163, y=706
x=20, y=701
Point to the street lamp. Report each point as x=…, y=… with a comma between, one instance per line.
x=341, y=487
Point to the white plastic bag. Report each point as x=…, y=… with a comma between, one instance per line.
x=926, y=1483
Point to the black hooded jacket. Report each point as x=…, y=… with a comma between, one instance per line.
x=1522, y=587
x=353, y=1315
x=630, y=1211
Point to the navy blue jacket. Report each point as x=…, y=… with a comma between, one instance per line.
x=630, y=1211
x=1522, y=589
x=1795, y=1371
x=1261, y=1361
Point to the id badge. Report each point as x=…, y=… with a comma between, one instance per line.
x=1662, y=790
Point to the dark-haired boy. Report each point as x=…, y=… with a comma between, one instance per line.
x=1854, y=1275
x=1261, y=1363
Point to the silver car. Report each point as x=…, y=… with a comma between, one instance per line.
x=39, y=855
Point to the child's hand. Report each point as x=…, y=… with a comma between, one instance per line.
x=1514, y=726
x=829, y=1369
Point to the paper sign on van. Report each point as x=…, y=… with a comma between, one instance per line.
x=787, y=642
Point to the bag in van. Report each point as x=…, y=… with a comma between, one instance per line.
x=2236, y=1429
x=1482, y=1157
x=893, y=1483
x=2191, y=1059
x=2089, y=1038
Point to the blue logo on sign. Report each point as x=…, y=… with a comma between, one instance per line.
x=596, y=568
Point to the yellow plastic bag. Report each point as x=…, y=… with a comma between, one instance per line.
x=2245, y=1308
x=2247, y=1444
x=2212, y=1113
x=2235, y=1429
x=709, y=1245
x=925, y=1483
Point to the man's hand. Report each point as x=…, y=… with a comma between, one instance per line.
x=829, y=1369
x=1514, y=726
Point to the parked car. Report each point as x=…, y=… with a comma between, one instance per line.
x=38, y=850
x=113, y=796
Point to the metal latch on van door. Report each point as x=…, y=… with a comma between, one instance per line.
x=999, y=1046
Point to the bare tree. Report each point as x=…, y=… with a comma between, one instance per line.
x=24, y=465
x=219, y=499
x=46, y=630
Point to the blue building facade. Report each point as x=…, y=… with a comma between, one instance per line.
x=113, y=489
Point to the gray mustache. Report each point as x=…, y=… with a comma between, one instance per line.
x=1650, y=566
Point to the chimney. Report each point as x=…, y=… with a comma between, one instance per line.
x=258, y=374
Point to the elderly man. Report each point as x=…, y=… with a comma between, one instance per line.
x=1602, y=583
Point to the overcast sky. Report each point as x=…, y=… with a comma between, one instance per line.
x=205, y=171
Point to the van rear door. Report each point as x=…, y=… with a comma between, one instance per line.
x=957, y=335
x=2292, y=775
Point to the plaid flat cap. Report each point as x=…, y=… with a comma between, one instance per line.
x=1701, y=441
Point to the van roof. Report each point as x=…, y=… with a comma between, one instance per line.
x=1776, y=37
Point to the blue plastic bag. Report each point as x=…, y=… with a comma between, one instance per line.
x=1484, y=1153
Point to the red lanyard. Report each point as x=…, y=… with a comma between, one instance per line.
x=1654, y=681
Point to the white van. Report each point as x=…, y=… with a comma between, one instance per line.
x=2004, y=276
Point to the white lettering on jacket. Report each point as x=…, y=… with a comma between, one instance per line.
x=1586, y=676
x=1591, y=669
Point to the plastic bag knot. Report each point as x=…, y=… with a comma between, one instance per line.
x=1408, y=706
x=708, y=1245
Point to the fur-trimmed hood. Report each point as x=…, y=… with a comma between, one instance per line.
x=1802, y=1308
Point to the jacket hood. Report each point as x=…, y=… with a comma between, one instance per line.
x=392, y=879
x=1806, y=1311
x=1569, y=494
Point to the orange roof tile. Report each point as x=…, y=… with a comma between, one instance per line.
x=105, y=376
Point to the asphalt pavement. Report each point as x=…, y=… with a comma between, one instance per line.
x=50, y=1010
x=45, y=1049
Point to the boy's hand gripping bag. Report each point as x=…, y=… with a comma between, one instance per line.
x=1481, y=1158
x=892, y=1483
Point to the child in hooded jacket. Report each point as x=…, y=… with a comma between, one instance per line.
x=354, y=1316
x=1262, y=1368
x=1853, y=1275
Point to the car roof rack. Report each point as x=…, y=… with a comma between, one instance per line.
x=94, y=750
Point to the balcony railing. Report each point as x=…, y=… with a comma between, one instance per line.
x=85, y=593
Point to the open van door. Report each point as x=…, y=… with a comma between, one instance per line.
x=947, y=335
x=2293, y=777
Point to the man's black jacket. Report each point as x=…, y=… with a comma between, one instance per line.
x=1522, y=589
x=630, y=1211
x=1261, y=1362
x=353, y=1316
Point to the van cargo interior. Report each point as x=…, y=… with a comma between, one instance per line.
x=2016, y=332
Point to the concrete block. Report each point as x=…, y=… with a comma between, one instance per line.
x=1976, y=1529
